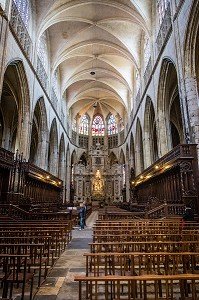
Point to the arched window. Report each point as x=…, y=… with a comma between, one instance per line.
x=137, y=82
x=147, y=51
x=42, y=50
x=98, y=126
x=161, y=9
x=83, y=126
x=23, y=7
x=55, y=82
x=112, y=125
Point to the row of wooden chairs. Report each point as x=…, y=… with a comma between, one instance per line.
x=147, y=287
x=141, y=259
x=140, y=263
x=28, y=249
x=146, y=246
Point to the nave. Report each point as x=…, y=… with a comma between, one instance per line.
x=60, y=284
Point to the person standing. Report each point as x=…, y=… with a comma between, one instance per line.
x=85, y=211
x=81, y=216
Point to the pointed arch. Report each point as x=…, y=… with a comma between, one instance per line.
x=39, y=135
x=132, y=152
x=139, y=153
x=150, y=134
x=191, y=72
x=112, y=159
x=168, y=108
x=15, y=107
x=84, y=159
x=53, y=149
x=98, y=125
x=112, y=125
x=122, y=157
x=62, y=161
x=84, y=125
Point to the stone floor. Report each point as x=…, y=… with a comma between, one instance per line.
x=59, y=284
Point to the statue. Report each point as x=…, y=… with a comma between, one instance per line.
x=98, y=183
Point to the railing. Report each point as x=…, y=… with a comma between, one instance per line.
x=41, y=73
x=20, y=30
x=62, y=116
x=137, y=99
x=165, y=211
x=148, y=72
x=165, y=30
x=54, y=99
x=14, y=212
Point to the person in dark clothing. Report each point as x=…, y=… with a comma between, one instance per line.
x=85, y=211
x=81, y=216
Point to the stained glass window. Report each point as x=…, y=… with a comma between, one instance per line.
x=112, y=125
x=161, y=9
x=23, y=7
x=98, y=126
x=42, y=49
x=147, y=51
x=83, y=126
x=55, y=82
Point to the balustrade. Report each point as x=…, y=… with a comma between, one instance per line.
x=20, y=30
x=165, y=30
x=54, y=99
x=148, y=72
x=41, y=73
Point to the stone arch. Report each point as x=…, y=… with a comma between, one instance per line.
x=15, y=108
x=132, y=152
x=191, y=71
x=191, y=42
x=83, y=159
x=39, y=135
x=170, y=123
x=122, y=157
x=62, y=161
x=139, y=154
x=112, y=159
x=150, y=134
x=53, y=149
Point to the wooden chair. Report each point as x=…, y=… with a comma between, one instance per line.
x=15, y=268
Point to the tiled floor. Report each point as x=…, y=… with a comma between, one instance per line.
x=59, y=284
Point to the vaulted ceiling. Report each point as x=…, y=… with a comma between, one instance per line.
x=99, y=37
